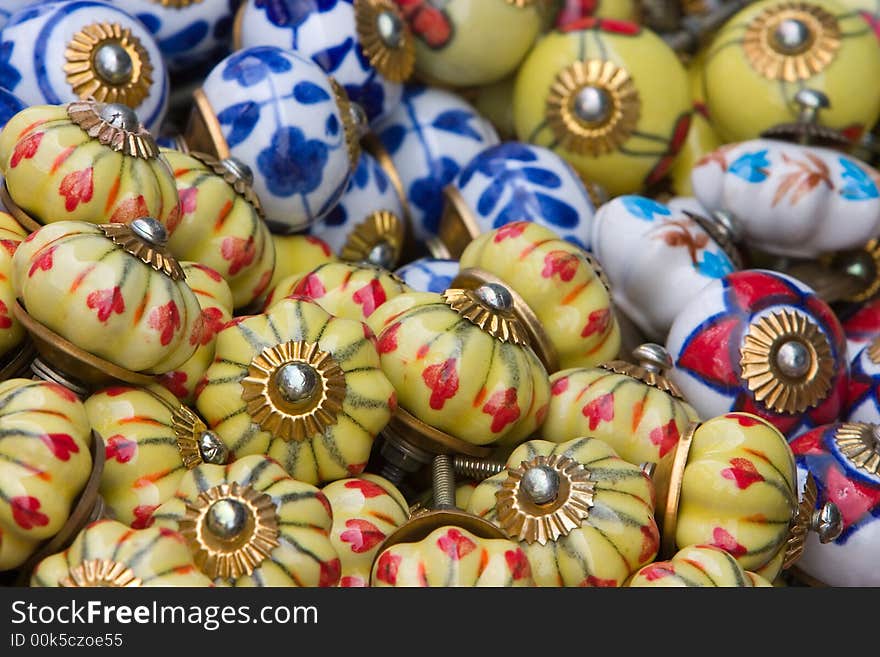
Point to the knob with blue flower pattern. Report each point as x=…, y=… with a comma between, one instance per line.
x=364, y=44
x=515, y=182
x=292, y=125
x=429, y=274
x=87, y=49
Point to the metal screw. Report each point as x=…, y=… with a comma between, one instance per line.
x=653, y=357
x=443, y=482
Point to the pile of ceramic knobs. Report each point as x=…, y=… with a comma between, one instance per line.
x=439, y=293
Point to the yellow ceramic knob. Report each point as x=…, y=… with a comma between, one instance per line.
x=215, y=300
x=44, y=464
x=738, y=491
x=221, y=223
x=150, y=441
x=342, y=289
x=11, y=330
x=250, y=524
x=610, y=97
x=452, y=556
x=698, y=565
x=84, y=283
x=772, y=49
x=495, y=103
x=109, y=554
x=560, y=286
x=480, y=385
x=300, y=385
x=366, y=510
x=85, y=162
x=471, y=42
x=296, y=255
x=640, y=421
x=583, y=515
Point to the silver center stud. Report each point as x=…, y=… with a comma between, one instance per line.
x=793, y=359
x=496, y=296
x=297, y=382
x=541, y=484
x=121, y=116
x=226, y=518
x=150, y=230
x=113, y=64
x=390, y=29
x=592, y=105
x=791, y=36
x=653, y=357
x=239, y=170
x=212, y=449
x=381, y=255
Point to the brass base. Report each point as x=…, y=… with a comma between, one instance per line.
x=410, y=429
x=23, y=218
x=458, y=226
x=668, y=479
x=473, y=277
x=87, y=508
x=70, y=359
x=203, y=132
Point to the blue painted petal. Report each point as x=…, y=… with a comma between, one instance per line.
x=513, y=150
x=490, y=197
x=331, y=58
x=859, y=186
x=332, y=126
x=557, y=212
x=242, y=117
x=392, y=138
x=184, y=40
x=456, y=122
x=715, y=265
x=151, y=21
x=644, y=208
x=751, y=167
x=308, y=93
x=291, y=164
x=542, y=177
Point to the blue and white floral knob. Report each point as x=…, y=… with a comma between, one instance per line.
x=369, y=222
x=429, y=274
x=423, y=144
x=863, y=396
x=280, y=114
x=58, y=52
x=364, y=44
x=514, y=181
x=190, y=33
x=636, y=238
x=9, y=7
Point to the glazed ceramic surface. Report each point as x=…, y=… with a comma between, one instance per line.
x=558, y=283
x=471, y=42
x=645, y=90
x=122, y=557
x=296, y=255
x=279, y=114
x=55, y=171
x=44, y=464
x=221, y=228
x=11, y=6
x=845, y=469
x=189, y=34
x=366, y=510
x=429, y=274
x=640, y=422
x=707, y=339
x=335, y=442
x=521, y=182
x=787, y=198
x=840, y=51
x=698, y=565
x=342, y=289
x=10, y=105
x=861, y=323
x=143, y=465
x=36, y=67
x=739, y=491
x=299, y=514
x=455, y=376
x=863, y=398
x=634, y=238
x=74, y=280
x=11, y=331
x=369, y=191
x=326, y=32
x=618, y=535
x=429, y=137
x=451, y=556
x=215, y=301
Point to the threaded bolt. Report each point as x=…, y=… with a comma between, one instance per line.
x=443, y=479
x=474, y=468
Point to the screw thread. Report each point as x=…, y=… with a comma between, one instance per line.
x=443, y=479
x=392, y=473
x=474, y=468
